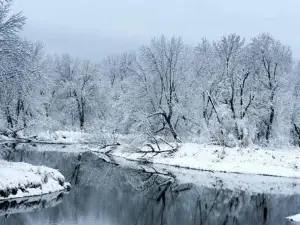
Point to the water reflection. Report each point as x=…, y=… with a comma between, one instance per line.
x=121, y=193
x=29, y=204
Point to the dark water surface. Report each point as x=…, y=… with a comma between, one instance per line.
x=110, y=193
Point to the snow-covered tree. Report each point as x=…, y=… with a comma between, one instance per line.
x=163, y=67
x=228, y=91
x=76, y=88
x=273, y=61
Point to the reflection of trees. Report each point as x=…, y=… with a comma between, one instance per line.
x=35, y=203
x=161, y=191
x=150, y=194
x=227, y=207
x=261, y=206
x=6, y=150
x=220, y=206
x=138, y=194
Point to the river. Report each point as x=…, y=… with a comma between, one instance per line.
x=116, y=192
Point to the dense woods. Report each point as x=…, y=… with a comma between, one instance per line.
x=229, y=91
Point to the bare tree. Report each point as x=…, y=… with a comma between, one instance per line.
x=77, y=85
x=119, y=71
x=295, y=118
x=12, y=54
x=163, y=65
x=19, y=96
x=224, y=72
x=274, y=61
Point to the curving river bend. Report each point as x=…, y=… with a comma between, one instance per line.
x=116, y=192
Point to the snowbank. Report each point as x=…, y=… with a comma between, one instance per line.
x=295, y=218
x=21, y=180
x=5, y=138
x=271, y=162
x=249, y=183
x=63, y=137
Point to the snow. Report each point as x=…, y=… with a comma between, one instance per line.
x=215, y=160
x=5, y=138
x=251, y=160
x=63, y=137
x=18, y=179
x=71, y=148
x=295, y=218
x=250, y=183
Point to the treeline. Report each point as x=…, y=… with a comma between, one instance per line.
x=228, y=91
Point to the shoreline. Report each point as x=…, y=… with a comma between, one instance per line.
x=263, y=161
x=19, y=180
x=211, y=158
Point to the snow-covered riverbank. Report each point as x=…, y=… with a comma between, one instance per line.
x=19, y=179
x=54, y=137
x=294, y=218
x=252, y=160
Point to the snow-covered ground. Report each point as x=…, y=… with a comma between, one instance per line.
x=55, y=137
x=249, y=183
x=4, y=138
x=66, y=137
x=19, y=180
x=251, y=160
x=294, y=218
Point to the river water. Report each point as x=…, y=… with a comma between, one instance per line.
x=111, y=192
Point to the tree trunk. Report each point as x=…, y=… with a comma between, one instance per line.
x=9, y=118
x=172, y=130
x=271, y=117
x=297, y=132
x=81, y=108
x=81, y=120
x=270, y=123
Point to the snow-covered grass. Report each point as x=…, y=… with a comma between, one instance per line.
x=19, y=179
x=251, y=160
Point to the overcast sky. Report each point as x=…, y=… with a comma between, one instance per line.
x=93, y=29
